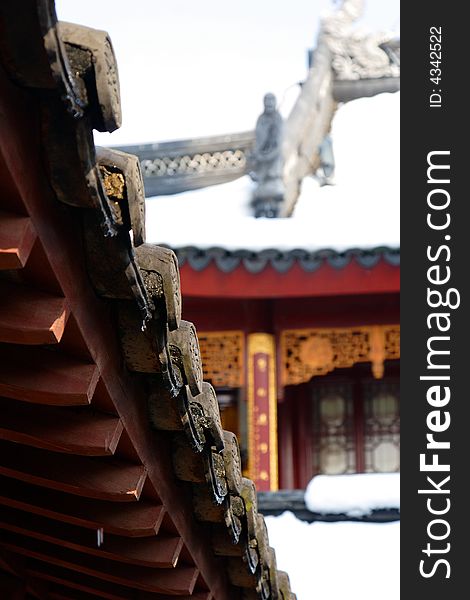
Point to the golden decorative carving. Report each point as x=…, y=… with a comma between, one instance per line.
x=114, y=184
x=261, y=343
x=306, y=353
x=223, y=357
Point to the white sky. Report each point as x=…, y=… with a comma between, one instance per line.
x=190, y=69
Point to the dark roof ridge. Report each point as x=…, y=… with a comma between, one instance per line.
x=282, y=260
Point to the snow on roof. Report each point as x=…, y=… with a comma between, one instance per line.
x=357, y=561
x=353, y=495
x=361, y=210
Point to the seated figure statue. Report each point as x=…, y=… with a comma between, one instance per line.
x=266, y=160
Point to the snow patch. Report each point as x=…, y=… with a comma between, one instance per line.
x=353, y=495
x=357, y=561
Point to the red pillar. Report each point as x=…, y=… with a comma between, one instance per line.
x=262, y=411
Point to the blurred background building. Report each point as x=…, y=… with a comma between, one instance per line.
x=288, y=244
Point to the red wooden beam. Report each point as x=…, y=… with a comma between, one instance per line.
x=17, y=237
x=135, y=519
x=295, y=283
x=37, y=375
x=50, y=428
x=179, y=581
x=104, y=479
x=72, y=585
x=28, y=316
x=156, y=552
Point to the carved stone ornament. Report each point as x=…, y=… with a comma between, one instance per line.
x=248, y=493
x=106, y=74
x=205, y=509
x=201, y=418
x=263, y=541
x=159, y=267
x=50, y=67
x=284, y=585
x=356, y=55
x=232, y=460
x=215, y=475
x=124, y=182
x=186, y=463
x=232, y=522
x=162, y=409
x=273, y=579
x=239, y=575
x=184, y=350
x=223, y=544
x=193, y=420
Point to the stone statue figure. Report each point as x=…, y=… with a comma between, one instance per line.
x=266, y=160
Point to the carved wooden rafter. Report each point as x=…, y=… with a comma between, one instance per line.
x=75, y=85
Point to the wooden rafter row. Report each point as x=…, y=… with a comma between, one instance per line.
x=93, y=503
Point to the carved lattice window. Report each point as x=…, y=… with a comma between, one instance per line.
x=382, y=428
x=333, y=430
x=355, y=424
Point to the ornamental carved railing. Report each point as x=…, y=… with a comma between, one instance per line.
x=222, y=355
x=207, y=162
x=183, y=165
x=306, y=353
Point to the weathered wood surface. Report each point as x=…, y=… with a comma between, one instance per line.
x=155, y=552
x=79, y=432
x=28, y=316
x=184, y=349
x=139, y=519
x=105, y=82
x=72, y=585
x=17, y=237
x=159, y=267
x=45, y=377
x=178, y=580
x=104, y=479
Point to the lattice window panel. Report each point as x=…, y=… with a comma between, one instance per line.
x=333, y=430
x=223, y=357
x=382, y=427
